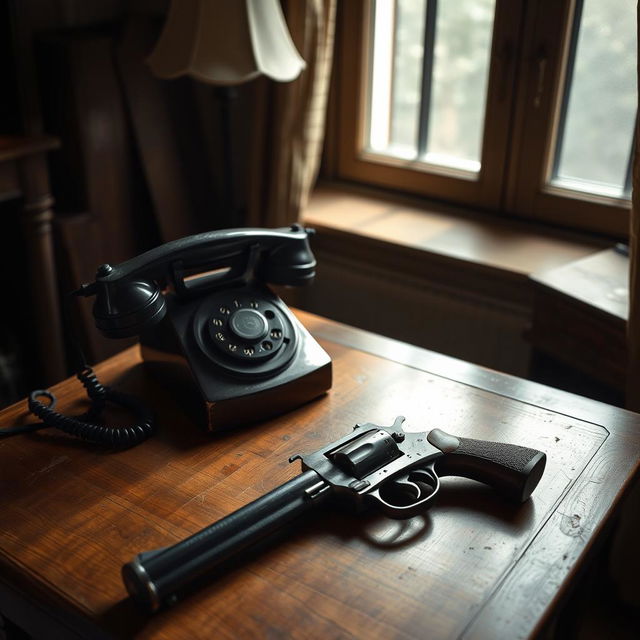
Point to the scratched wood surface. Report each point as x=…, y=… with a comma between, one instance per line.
x=474, y=565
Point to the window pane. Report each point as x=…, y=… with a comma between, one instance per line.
x=381, y=75
x=460, y=75
x=430, y=66
x=396, y=77
x=596, y=128
x=407, y=75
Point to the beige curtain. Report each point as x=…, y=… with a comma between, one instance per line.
x=291, y=120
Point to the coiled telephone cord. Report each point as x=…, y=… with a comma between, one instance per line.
x=84, y=426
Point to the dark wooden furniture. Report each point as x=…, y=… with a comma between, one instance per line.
x=579, y=324
x=24, y=172
x=473, y=566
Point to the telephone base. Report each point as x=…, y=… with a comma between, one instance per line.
x=213, y=409
x=270, y=403
x=216, y=392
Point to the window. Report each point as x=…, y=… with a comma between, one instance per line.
x=598, y=101
x=428, y=80
x=526, y=108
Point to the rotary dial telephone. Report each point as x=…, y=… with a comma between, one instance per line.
x=210, y=328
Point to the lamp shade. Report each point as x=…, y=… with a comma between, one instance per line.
x=226, y=42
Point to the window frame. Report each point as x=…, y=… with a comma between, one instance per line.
x=538, y=113
x=521, y=113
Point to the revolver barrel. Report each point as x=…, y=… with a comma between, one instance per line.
x=153, y=578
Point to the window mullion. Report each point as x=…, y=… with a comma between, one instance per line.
x=564, y=106
x=628, y=179
x=427, y=71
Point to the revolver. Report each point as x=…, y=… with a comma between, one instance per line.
x=387, y=468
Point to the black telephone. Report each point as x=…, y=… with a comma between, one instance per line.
x=211, y=328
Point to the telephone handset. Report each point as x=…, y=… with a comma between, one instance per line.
x=211, y=328
x=129, y=297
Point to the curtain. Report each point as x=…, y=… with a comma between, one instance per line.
x=290, y=121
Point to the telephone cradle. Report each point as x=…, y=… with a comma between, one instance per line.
x=211, y=329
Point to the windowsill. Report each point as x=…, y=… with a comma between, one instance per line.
x=398, y=226
x=435, y=276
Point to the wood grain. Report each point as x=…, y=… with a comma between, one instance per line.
x=73, y=514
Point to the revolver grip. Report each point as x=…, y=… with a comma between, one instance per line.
x=511, y=469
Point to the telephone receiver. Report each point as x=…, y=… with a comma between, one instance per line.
x=209, y=326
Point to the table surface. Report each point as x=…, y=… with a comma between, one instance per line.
x=475, y=565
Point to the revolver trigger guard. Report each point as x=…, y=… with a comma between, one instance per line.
x=412, y=483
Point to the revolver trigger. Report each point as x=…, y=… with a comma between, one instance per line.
x=425, y=476
x=403, y=489
x=408, y=495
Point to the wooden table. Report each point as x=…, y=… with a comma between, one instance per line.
x=24, y=172
x=474, y=566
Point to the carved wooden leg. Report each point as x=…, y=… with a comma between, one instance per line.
x=37, y=219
